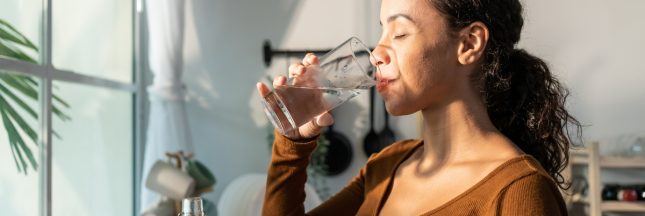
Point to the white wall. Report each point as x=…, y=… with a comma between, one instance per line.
x=593, y=46
x=596, y=49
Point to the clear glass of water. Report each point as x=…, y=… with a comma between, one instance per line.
x=340, y=76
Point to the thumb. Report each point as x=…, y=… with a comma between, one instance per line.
x=324, y=120
x=313, y=127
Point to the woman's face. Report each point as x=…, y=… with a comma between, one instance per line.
x=416, y=56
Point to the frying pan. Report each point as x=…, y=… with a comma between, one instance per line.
x=339, y=153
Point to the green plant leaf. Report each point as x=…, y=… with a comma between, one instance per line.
x=10, y=37
x=60, y=114
x=26, y=81
x=31, y=81
x=18, y=119
x=28, y=153
x=18, y=83
x=13, y=153
x=18, y=101
x=13, y=135
x=15, y=54
x=56, y=135
x=17, y=139
x=6, y=121
x=21, y=36
x=61, y=101
x=25, y=149
x=24, y=85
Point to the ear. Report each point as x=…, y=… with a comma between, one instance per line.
x=473, y=39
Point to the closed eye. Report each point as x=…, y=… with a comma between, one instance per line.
x=400, y=36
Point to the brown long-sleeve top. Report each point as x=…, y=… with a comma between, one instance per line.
x=519, y=186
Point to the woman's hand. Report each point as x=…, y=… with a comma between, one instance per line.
x=302, y=74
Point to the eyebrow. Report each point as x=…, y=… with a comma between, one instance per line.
x=396, y=16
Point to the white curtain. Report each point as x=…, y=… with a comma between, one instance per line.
x=168, y=125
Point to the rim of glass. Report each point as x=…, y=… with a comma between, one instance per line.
x=361, y=46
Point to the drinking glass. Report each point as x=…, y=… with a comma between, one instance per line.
x=340, y=76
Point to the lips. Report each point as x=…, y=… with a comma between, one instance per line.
x=382, y=84
x=383, y=81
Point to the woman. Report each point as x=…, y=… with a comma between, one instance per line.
x=495, y=136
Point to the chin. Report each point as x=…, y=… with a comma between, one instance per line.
x=399, y=108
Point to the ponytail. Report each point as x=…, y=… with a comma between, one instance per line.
x=527, y=104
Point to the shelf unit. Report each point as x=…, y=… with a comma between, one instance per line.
x=591, y=158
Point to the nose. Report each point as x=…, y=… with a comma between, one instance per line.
x=380, y=56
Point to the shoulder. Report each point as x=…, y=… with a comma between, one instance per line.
x=528, y=189
x=523, y=172
x=515, y=169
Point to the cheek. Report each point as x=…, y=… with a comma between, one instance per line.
x=425, y=78
x=407, y=95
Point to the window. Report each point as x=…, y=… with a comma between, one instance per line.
x=93, y=38
x=82, y=133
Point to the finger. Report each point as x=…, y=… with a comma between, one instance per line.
x=296, y=69
x=309, y=130
x=262, y=89
x=310, y=59
x=279, y=81
x=324, y=120
x=313, y=127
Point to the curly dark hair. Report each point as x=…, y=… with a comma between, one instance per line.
x=525, y=101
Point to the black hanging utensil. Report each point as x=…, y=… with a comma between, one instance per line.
x=339, y=152
x=371, y=141
x=386, y=136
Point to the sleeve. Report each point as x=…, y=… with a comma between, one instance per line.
x=287, y=175
x=345, y=202
x=532, y=195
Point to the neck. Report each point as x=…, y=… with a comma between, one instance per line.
x=459, y=130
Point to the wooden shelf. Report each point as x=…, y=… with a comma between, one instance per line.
x=622, y=162
x=610, y=162
x=618, y=206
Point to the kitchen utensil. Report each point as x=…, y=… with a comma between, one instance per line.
x=371, y=141
x=339, y=152
x=386, y=136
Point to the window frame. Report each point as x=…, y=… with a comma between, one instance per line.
x=47, y=73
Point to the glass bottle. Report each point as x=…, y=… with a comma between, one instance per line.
x=192, y=206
